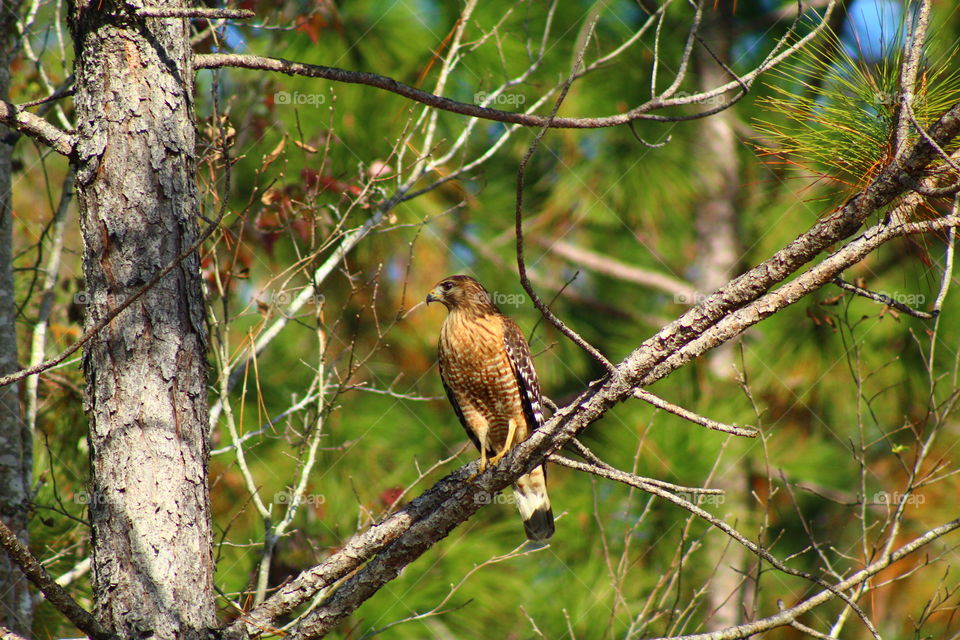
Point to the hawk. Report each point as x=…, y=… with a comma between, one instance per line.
x=488, y=374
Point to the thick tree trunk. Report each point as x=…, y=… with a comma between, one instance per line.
x=16, y=450
x=146, y=372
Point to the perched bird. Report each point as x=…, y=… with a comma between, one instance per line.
x=488, y=374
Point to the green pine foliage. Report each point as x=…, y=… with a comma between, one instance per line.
x=833, y=111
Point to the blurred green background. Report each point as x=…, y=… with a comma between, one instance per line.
x=840, y=387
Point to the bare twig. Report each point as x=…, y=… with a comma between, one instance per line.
x=680, y=290
x=787, y=616
x=947, y=260
x=207, y=13
x=606, y=471
x=641, y=112
x=50, y=277
x=912, y=54
x=37, y=128
x=54, y=592
x=518, y=220
x=686, y=414
x=882, y=299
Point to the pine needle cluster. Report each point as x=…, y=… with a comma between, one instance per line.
x=833, y=111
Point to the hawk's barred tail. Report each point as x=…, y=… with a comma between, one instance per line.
x=534, y=504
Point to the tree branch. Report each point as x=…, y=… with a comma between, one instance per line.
x=575, y=337
x=402, y=537
x=882, y=299
x=787, y=616
x=690, y=416
x=641, y=112
x=195, y=12
x=604, y=470
x=36, y=128
x=55, y=594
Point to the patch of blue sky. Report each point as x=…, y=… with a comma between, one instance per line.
x=873, y=29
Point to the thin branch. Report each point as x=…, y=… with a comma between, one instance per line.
x=51, y=274
x=686, y=414
x=79, y=570
x=519, y=552
x=206, y=13
x=787, y=616
x=882, y=299
x=912, y=54
x=947, y=261
x=37, y=128
x=802, y=628
x=604, y=470
x=518, y=221
x=55, y=594
x=641, y=112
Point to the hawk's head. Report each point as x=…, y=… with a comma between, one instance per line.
x=462, y=293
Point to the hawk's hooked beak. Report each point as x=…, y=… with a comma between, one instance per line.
x=433, y=296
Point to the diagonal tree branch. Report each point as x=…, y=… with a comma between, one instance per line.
x=402, y=537
x=37, y=128
x=55, y=594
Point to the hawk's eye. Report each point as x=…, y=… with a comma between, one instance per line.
x=446, y=286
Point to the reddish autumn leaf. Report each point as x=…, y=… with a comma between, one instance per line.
x=391, y=495
x=267, y=240
x=312, y=26
x=303, y=228
x=315, y=180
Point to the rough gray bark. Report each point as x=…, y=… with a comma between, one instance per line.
x=146, y=371
x=16, y=446
x=718, y=251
